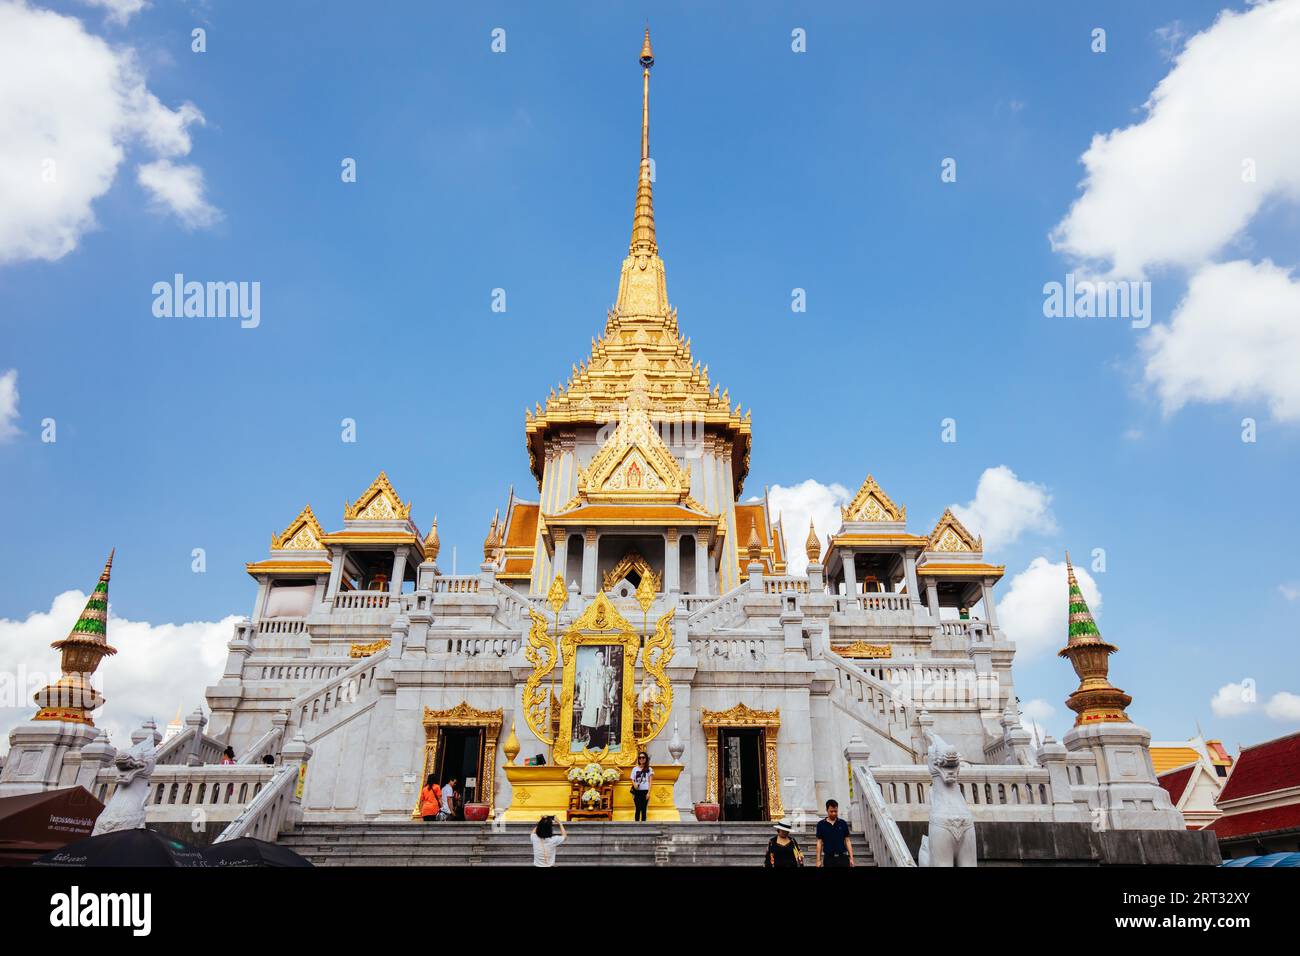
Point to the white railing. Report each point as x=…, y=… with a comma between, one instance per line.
x=177, y=750
x=362, y=600
x=515, y=604
x=775, y=585
x=875, y=703
x=877, y=822
x=175, y=790
x=460, y=584
x=971, y=630
x=694, y=602
x=993, y=791
x=294, y=669
x=282, y=625
x=501, y=646
x=723, y=611
x=263, y=745
x=266, y=815
x=873, y=602
x=939, y=685
x=739, y=650
x=345, y=689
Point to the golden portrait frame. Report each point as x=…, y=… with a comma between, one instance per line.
x=599, y=624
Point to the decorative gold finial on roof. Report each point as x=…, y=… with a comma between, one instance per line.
x=643, y=219
x=432, y=544
x=1096, y=700
x=755, y=546
x=490, y=542
x=813, y=546
x=72, y=697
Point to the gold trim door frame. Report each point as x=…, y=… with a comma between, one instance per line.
x=742, y=717
x=462, y=715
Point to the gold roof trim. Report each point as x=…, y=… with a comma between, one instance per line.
x=304, y=533
x=872, y=504
x=379, y=502
x=974, y=569
x=287, y=567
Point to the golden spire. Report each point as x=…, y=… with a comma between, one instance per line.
x=490, y=542
x=813, y=546
x=643, y=219
x=755, y=546
x=1096, y=700
x=432, y=544
x=72, y=698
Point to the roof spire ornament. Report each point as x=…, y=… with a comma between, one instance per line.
x=1096, y=700
x=432, y=543
x=813, y=546
x=755, y=547
x=643, y=219
x=72, y=698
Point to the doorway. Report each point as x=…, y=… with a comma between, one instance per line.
x=742, y=773
x=460, y=755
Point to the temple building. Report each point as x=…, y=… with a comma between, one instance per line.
x=639, y=601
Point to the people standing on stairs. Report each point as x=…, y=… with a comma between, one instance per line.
x=449, y=798
x=833, y=845
x=642, y=776
x=783, y=849
x=228, y=756
x=430, y=799
x=545, y=841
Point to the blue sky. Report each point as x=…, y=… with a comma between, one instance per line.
x=775, y=170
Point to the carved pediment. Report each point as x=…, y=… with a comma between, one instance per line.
x=950, y=535
x=379, y=502
x=634, y=464
x=630, y=562
x=304, y=533
x=872, y=504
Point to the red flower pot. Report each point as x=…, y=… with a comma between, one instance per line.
x=476, y=812
x=707, y=812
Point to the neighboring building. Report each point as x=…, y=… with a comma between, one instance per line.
x=1167, y=755
x=1193, y=773
x=1260, y=803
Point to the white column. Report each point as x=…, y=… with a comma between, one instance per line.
x=850, y=574
x=701, y=562
x=336, y=575
x=399, y=572
x=932, y=598
x=672, y=561
x=561, y=560
x=589, y=563
x=987, y=591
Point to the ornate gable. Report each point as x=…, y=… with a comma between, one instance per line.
x=379, y=502
x=634, y=464
x=303, y=534
x=950, y=535
x=872, y=504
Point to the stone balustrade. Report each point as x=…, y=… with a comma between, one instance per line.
x=785, y=584
x=993, y=791
x=282, y=625
x=294, y=669
x=177, y=793
x=501, y=646
x=939, y=685
x=458, y=584
x=872, y=815
x=362, y=600
x=346, y=689
x=742, y=651
x=268, y=812
x=725, y=611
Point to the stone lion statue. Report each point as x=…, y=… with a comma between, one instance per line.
x=125, y=809
x=952, y=827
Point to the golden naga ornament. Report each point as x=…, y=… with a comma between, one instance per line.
x=655, y=657
x=539, y=651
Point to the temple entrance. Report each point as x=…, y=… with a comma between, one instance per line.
x=460, y=755
x=741, y=755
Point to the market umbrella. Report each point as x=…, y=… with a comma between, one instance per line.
x=247, y=851
x=124, y=848
x=32, y=824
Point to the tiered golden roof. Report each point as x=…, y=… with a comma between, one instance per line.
x=872, y=504
x=641, y=349
x=950, y=535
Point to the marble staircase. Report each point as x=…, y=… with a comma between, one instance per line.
x=588, y=844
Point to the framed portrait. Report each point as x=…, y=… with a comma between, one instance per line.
x=598, y=654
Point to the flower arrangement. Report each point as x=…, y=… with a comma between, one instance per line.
x=590, y=797
x=593, y=775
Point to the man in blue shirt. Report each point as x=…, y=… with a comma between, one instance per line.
x=833, y=845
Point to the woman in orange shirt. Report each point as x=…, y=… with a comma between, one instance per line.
x=430, y=799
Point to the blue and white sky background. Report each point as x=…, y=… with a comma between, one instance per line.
x=1165, y=150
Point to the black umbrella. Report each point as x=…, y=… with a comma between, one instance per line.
x=247, y=851
x=124, y=848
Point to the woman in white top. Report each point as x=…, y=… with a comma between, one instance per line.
x=545, y=841
x=642, y=776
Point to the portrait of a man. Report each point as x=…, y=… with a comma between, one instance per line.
x=598, y=698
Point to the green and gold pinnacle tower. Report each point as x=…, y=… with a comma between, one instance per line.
x=1096, y=700
x=72, y=698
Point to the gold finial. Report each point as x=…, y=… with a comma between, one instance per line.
x=643, y=218
x=558, y=595
x=511, y=746
x=812, y=545
x=490, y=542
x=1096, y=700
x=755, y=546
x=432, y=544
x=645, y=592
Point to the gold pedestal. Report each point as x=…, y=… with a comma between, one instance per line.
x=538, y=791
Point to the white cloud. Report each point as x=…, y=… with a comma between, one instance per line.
x=9, y=405
x=1234, y=337
x=1034, y=612
x=119, y=11
x=796, y=505
x=1168, y=190
x=71, y=106
x=1289, y=591
x=1233, y=700
x=179, y=188
x=157, y=668
x=1004, y=508
x=1283, y=706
